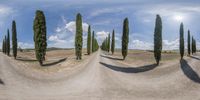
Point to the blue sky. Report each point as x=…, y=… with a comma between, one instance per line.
x=103, y=16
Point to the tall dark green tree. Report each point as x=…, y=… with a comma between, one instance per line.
x=181, y=41
x=93, y=41
x=125, y=38
x=3, y=46
x=188, y=42
x=108, y=43
x=78, y=37
x=193, y=45
x=113, y=42
x=8, y=42
x=39, y=28
x=158, y=39
x=89, y=41
x=14, y=39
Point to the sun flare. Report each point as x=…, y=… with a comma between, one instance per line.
x=178, y=18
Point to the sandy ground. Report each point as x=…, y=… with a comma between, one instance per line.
x=56, y=60
x=102, y=78
x=142, y=57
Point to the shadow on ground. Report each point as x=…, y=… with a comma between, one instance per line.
x=25, y=59
x=130, y=69
x=194, y=57
x=1, y=82
x=113, y=58
x=189, y=72
x=54, y=63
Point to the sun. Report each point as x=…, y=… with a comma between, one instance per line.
x=178, y=18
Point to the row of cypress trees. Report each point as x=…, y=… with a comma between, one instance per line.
x=194, y=49
x=6, y=44
x=191, y=47
x=125, y=40
x=157, y=40
x=6, y=41
x=92, y=44
x=191, y=44
x=95, y=45
x=106, y=46
x=39, y=28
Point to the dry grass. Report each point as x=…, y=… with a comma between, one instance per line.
x=142, y=57
x=56, y=60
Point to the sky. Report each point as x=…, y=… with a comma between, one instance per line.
x=103, y=16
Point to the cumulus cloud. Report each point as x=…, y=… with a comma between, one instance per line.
x=101, y=35
x=141, y=45
x=71, y=26
x=171, y=45
x=64, y=35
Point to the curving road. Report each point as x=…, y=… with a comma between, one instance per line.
x=105, y=79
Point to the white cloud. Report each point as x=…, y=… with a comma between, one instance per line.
x=71, y=26
x=64, y=35
x=25, y=45
x=142, y=45
x=167, y=45
x=171, y=45
x=101, y=35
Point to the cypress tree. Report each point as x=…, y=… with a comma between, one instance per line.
x=188, y=42
x=14, y=39
x=3, y=47
x=39, y=28
x=193, y=45
x=108, y=43
x=158, y=39
x=89, y=41
x=6, y=45
x=78, y=37
x=8, y=42
x=93, y=41
x=181, y=40
x=125, y=38
x=113, y=42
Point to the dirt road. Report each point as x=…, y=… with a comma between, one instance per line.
x=105, y=79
